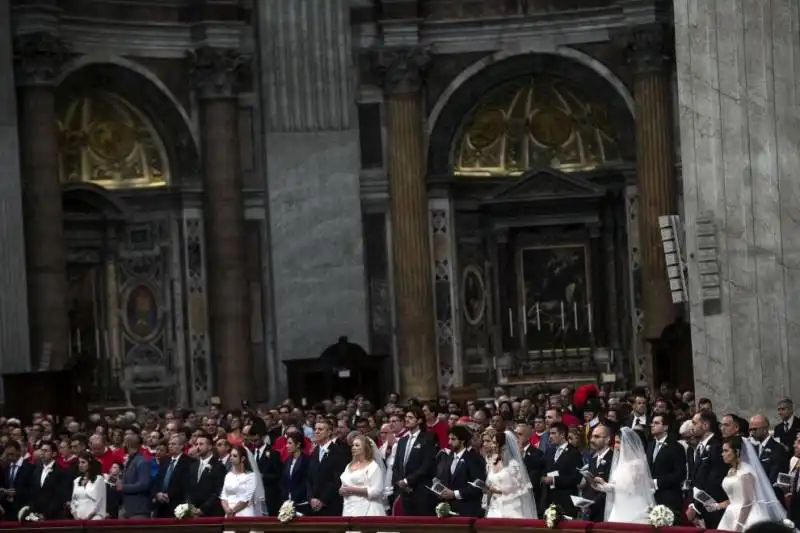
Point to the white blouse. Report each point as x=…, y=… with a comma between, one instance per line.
x=89, y=500
x=240, y=488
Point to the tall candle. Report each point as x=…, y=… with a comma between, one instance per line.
x=563, y=322
x=524, y=319
x=511, y=321
x=538, y=322
x=575, y=314
x=78, y=335
x=97, y=342
x=589, y=309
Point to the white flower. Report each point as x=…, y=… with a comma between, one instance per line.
x=444, y=509
x=287, y=512
x=661, y=516
x=551, y=517
x=788, y=523
x=23, y=512
x=185, y=510
x=33, y=517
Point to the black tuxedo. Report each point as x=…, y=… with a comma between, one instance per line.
x=566, y=484
x=601, y=469
x=271, y=468
x=707, y=475
x=774, y=460
x=323, y=478
x=534, y=461
x=418, y=471
x=204, y=487
x=470, y=466
x=48, y=498
x=177, y=489
x=23, y=479
x=785, y=437
x=668, y=469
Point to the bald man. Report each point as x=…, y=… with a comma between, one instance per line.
x=772, y=455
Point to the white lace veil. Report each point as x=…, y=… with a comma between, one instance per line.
x=511, y=452
x=630, y=473
x=260, y=498
x=380, y=460
x=769, y=508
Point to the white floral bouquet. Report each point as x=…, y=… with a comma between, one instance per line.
x=287, y=512
x=25, y=515
x=552, y=516
x=443, y=510
x=660, y=516
x=186, y=510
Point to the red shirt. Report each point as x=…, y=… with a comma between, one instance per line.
x=570, y=420
x=441, y=430
x=109, y=458
x=280, y=447
x=66, y=463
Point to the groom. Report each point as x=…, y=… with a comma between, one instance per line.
x=459, y=470
x=562, y=462
x=667, y=461
x=709, y=470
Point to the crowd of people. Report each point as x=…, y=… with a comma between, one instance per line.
x=590, y=454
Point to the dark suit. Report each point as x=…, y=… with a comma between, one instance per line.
x=794, y=507
x=23, y=479
x=774, y=460
x=566, y=484
x=323, y=480
x=785, y=437
x=418, y=471
x=469, y=467
x=177, y=487
x=203, y=487
x=48, y=498
x=534, y=461
x=601, y=469
x=293, y=484
x=707, y=475
x=271, y=468
x=668, y=470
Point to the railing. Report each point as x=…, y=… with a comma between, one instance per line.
x=365, y=524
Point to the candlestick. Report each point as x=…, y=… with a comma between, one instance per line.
x=563, y=322
x=575, y=314
x=78, y=336
x=589, y=312
x=97, y=342
x=538, y=322
x=511, y=321
x=70, y=344
x=524, y=320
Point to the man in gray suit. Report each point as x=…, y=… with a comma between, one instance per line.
x=135, y=482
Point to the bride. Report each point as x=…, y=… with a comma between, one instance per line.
x=508, y=486
x=363, y=480
x=629, y=484
x=751, y=498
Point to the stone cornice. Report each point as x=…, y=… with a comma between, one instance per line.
x=649, y=48
x=402, y=68
x=38, y=58
x=217, y=72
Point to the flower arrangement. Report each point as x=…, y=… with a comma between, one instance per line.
x=660, y=516
x=25, y=515
x=552, y=516
x=444, y=510
x=788, y=523
x=186, y=510
x=287, y=512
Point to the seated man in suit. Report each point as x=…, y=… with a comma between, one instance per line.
x=459, y=470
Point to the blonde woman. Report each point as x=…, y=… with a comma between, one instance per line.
x=363, y=480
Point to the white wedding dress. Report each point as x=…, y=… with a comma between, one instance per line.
x=371, y=478
x=241, y=488
x=511, y=479
x=742, y=505
x=89, y=499
x=630, y=487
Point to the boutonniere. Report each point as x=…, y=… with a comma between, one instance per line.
x=207, y=466
x=417, y=446
x=603, y=461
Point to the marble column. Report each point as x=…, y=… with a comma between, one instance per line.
x=216, y=76
x=39, y=59
x=739, y=95
x=655, y=166
x=14, y=333
x=408, y=206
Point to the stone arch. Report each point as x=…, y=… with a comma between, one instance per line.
x=148, y=95
x=94, y=198
x=467, y=90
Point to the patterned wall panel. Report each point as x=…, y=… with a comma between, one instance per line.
x=642, y=358
x=199, y=347
x=445, y=294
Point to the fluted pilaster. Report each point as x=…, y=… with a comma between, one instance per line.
x=38, y=63
x=216, y=80
x=655, y=170
x=413, y=285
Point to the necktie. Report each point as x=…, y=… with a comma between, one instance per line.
x=409, y=445
x=168, y=475
x=698, y=452
x=657, y=449
x=258, y=454
x=200, y=469
x=321, y=453
x=454, y=464
x=12, y=474
x=558, y=453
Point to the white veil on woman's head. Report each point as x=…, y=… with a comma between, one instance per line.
x=511, y=452
x=769, y=508
x=260, y=497
x=630, y=472
x=379, y=459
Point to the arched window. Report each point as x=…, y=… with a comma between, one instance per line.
x=107, y=141
x=534, y=123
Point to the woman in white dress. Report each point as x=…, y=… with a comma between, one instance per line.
x=88, y=490
x=629, y=490
x=243, y=490
x=363, y=480
x=751, y=498
x=508, y=487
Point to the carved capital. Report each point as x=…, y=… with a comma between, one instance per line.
x=402, y=68
x=39, y=58
x=649, y=49
x=217, y=72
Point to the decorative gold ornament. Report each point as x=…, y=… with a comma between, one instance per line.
x=107, y=141
x=541, y=122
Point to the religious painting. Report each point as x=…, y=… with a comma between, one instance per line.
x=473, y=294
x=142, y=312
x=557, y=304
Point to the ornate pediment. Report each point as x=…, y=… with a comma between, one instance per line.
x=546, y=184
